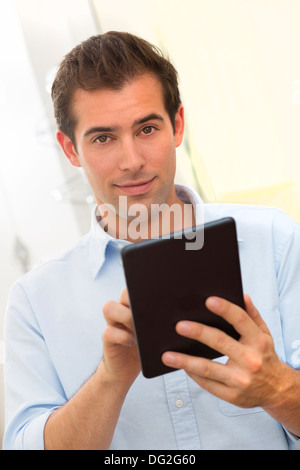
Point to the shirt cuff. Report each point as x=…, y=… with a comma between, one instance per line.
x=33, y=433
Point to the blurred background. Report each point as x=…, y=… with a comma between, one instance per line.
x=239, y=69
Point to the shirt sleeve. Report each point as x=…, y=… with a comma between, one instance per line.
x=32, y=387
x=288, y=277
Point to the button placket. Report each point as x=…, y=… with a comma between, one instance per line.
x=179, y=402
x=181, y=410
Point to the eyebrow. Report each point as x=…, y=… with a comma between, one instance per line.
x=150, y=117
x=99, y=129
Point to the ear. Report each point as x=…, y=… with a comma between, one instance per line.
x=179, y=126
x=68, y=148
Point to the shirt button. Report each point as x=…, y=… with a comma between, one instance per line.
x=179, y=403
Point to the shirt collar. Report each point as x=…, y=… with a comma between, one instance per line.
x=99, y=239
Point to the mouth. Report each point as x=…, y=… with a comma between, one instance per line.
x=137, y=187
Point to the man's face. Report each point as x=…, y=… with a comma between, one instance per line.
x=125, y=143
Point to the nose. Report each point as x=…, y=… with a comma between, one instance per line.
x=130, y=156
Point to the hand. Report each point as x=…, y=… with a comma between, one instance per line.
x=253, y=373
x=120, y=358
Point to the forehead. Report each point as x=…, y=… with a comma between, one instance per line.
x=142, y=95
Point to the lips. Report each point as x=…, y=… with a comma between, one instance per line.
x=137, y=187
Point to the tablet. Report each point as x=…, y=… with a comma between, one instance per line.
x=167, y=283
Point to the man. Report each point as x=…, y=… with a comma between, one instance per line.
x=72, y=373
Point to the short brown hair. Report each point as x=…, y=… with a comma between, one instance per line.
x=109, y=61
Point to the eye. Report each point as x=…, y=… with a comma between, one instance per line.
x=148, y=130
x=102, y=139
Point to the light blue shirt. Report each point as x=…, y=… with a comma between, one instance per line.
x=54, y=325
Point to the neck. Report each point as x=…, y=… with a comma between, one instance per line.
x=144, y=223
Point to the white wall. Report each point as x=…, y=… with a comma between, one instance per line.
x=239, y=67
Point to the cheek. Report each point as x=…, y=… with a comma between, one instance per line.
x=167, y=158
x=98, y=169
x=98, y=176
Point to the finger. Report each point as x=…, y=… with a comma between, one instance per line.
x=117, y=314
x=234, y=315
x=115, y=335
x=214, y=387
x=212, y=337
x=199, y=367
x=194, y=365
x=255, y=315
x=124, y=299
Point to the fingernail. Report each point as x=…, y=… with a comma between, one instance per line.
x=213, y=302
x=184, y=327
x=169, y=358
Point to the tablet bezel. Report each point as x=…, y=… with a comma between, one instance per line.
x=159, y=279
